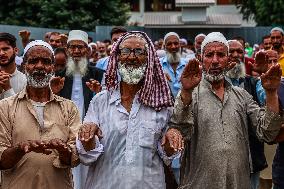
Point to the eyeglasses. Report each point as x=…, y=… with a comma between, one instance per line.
x=79, y=47
x=128, y=51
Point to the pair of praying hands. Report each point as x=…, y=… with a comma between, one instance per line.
x=44, y=147
x=57, y=84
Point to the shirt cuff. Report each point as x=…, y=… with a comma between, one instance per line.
x=88, y=157
x=167, y=159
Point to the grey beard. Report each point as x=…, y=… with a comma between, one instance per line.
x=73, y=67
x=173, y=58
x=131, y=75
x=238, y=71
x=214, y=78
x=31, y=81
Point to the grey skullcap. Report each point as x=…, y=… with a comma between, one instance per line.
x=214, y=37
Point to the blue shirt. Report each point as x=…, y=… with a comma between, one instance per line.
x=174, y=84
x=260, y=92
x=102, y=63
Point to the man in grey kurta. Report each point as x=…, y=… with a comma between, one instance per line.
x=215, y=126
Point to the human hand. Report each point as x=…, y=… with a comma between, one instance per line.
x=33, y=146
x=59, y=145
x=25, y=34
x=94, y=86
x=261, y=63
x=57, y=84
x=172, y=142
x=87, y=134
x=5, y=80
x=271, y=79
x=191, y=75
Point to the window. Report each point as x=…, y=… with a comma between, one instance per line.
x=225, y=2
x=160, y=5
x=134, y=5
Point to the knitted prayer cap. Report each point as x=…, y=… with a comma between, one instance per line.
x=214, y=37
x=37, y=43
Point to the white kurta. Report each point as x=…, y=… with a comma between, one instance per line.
x=129, y=155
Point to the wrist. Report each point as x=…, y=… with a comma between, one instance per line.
x=6, y=88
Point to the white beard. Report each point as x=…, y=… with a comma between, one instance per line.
x=173, y=58
x=31, y=81
x=213, y=78
x=238, y=71
x=73, y=67
x=131, y=75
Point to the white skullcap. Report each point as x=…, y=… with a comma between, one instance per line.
x=78, y=35
x=199, y=35
x=277, y=29
x=37, y=43
x=236, y=41
x=214, y=37
x=92, y=44
x=171, y=34
x=183, y=40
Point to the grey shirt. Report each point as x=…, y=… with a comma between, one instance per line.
x=218, y=133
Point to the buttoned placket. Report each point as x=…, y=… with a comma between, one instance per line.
x=131, y=127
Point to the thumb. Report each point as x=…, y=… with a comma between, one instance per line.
x=99, y=133
x=163, y=140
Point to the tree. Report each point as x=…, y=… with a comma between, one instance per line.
x=64, y=14
x=264, y=12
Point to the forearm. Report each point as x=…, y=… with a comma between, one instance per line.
x=10, y=157
x=272, y=101
x=186, y=97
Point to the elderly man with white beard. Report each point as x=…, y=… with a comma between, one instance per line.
x=79, y=82
x=132, y=116
x=213, y=117
x=38, y=129
x=173, y=64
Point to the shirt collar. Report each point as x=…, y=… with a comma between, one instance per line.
x=115, y=94
x=228, y=85
x=23, y=94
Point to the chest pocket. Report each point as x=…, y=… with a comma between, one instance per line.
x=149, y=134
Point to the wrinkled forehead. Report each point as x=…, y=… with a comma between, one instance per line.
x=235, y=45
x=133, y=42
x=39, y=51
x=215, y=46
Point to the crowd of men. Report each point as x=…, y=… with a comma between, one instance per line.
x=132, y=113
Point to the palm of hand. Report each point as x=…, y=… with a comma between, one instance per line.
x=57, y=84
x=191, y=75
x=270, y=80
